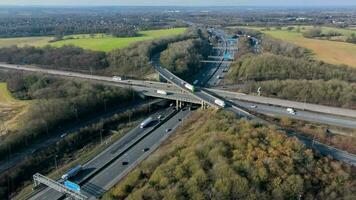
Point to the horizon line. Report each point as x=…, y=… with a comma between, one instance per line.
x=183, y=6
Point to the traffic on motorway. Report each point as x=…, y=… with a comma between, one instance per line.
x=155, y=125
x=96, y=176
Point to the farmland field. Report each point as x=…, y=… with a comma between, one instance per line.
x=23, y=41
x=99, y=42
x=10, y=109
x=329, y=51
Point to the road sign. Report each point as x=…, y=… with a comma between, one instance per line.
x=72, y=186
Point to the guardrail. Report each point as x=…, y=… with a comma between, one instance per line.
x=287, y=103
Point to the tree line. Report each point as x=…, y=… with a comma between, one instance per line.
x=288, y=71
x=134, y=61
x=55, y=102
x=269, y=67
x=332, y=92
x=84, y=139
x=66, y=57
x=183, y=58
x=217, y=156
x=279, y=47
x=60, y=22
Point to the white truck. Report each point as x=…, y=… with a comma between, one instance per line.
x=161, y=92
x=190, y=87
x=291, y=111
x=146, y=122
x=116, y=78
x=72, y=172
x=220, y=103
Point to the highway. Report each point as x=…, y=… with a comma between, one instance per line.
x=111, y=165
x=105, y=180
x=203, y=95
x=150, y=88
x=100, y=168
x=99, y=176
x=286, y=103
x=218, y=74
x=300, y=114
x=102, y=79
x=322, y=148
x=56, y=136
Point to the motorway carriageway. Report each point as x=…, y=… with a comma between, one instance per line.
x=94, y=184
x=300, y=114
x=324, y=149
x=142, y=86
x=55, y=137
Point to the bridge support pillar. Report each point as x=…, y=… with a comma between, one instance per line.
x=179, y=104
x=204, y=105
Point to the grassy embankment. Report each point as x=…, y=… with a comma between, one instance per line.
x=98, y=42
x=10, y=109
x=333, y=52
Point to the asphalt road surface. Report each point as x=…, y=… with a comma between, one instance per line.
x=286, y=103
x=105, y=179
x=91, y=170
x=151, y=88
x=56, y=136
x=300, y=114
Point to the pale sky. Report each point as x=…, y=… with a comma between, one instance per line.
x=182, y=2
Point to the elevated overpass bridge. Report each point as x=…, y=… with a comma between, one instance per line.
x=149, y=88
x=176, y=90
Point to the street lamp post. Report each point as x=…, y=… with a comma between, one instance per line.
x=55, y=161
x=101, y=136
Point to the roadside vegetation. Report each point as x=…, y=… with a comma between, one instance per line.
x=183, y=58
x=215, y=156
x=55, y=102
x=332, y=92
x=66, y=57
x=76, y=148
x=134, y=61
x=287, y=71
x=11, y=110
x=341, y=138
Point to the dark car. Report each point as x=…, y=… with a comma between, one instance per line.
x=125, y=163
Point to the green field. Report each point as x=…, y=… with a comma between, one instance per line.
x=99, y=42
x=334, y=52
